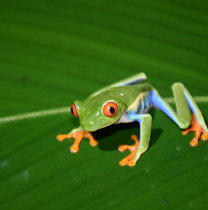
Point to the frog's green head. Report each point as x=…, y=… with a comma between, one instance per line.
x=98, y=111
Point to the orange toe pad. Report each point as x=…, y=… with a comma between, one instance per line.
x=196, y=127
x=78, y=136
x=129, y=160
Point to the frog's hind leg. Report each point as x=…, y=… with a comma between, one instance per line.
x=185, y=104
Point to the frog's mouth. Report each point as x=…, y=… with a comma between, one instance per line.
x=102, y=122
x=95, y=126
x=89, y=129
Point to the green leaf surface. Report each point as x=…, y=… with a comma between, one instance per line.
x=55, y=52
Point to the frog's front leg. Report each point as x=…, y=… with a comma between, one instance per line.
x=145, y=121
x=78, y=134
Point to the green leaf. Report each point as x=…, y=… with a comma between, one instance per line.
x=55, y=52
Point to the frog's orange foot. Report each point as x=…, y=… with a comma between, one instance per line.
x=196, y=127
x=93, y=142
x=78, y=136
x=129, y=160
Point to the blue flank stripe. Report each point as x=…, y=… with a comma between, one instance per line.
x=160, y=104
x=143, y=106
x=145, y=101
x=140, y=108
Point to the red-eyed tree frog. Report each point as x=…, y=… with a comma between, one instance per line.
x=130, y=100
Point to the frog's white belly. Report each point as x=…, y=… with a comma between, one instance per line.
x=124, y=118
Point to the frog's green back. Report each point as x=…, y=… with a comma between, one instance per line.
x=126, y=94
x=132, y=80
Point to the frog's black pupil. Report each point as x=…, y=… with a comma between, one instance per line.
x=72, y=111
x=112, y=110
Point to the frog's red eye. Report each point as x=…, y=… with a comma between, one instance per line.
x=110, y=109
x=74, y=110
